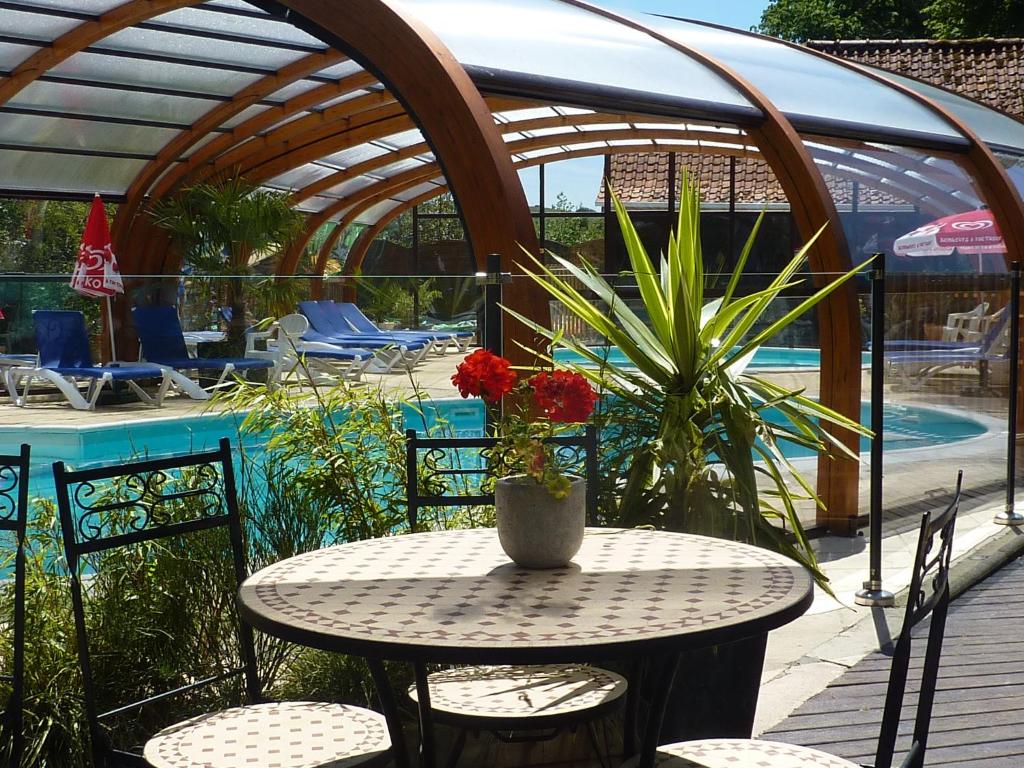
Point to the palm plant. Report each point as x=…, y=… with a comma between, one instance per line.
x=715, y=429
x=220, y=227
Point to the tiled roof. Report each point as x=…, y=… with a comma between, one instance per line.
x=991, y=71
x=988, y=70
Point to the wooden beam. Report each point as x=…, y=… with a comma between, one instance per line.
x=75, y=40
x=212, y=120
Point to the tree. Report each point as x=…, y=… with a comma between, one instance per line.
x=221, y=228
x=843, y=19
x=802, y=20
x=975, y=18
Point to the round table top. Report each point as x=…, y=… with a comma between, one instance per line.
x=454, y=596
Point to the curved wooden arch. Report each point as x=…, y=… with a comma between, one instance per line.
x=212, y=120
x=82, y=36
x=429, y=171
x=454, y=119
x=133, y=229
x=405, y=153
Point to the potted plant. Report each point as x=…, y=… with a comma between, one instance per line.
x=711, y=463
x=540, y=508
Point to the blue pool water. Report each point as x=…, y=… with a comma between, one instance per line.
x=905, y=427
x=766, y=358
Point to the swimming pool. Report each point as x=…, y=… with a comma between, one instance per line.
x=766, y=358
x=906, y=427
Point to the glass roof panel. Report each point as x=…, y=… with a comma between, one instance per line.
x=85, y=100
x=806, y=87
x=564, y=46
x=351, y=186
x=991, y=125
x=316, y=204
x=36, y=26
x=34, y=171
x=198, y=49
x=421, y=189
x=293, y=89
x=255, y=29
x=61, y=132
x=154, y=74
x=340, y=70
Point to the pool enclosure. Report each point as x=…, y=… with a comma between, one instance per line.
x=364, y=109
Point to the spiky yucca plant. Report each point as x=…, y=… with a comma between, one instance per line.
x=713, y=440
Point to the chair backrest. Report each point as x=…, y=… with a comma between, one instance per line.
x=121, y=506
x=61, y=339
x=996, y=340
x=356, y=318
x=928, y=595
x=466, y=462
x=160, y=335
x=319, y=320
x=291, y=327
x=13, y=519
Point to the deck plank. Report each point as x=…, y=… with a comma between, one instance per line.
x=979, y=703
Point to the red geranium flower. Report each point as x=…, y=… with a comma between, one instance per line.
x=563, y=396
x=485, y=374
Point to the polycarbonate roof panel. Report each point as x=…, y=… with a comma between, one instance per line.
x=813, y=92
x=991, y=125
x=199, y=49
x=300, y=177
x=36, y=26
x=257, y=30
x=535, y=44
x=94, y=7
x=61, y=132
x=31, y=171
x=12, y=55
x=95, y=67
x=84, y=100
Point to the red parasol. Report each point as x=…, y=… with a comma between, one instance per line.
x=96, y=273
x=973, y=233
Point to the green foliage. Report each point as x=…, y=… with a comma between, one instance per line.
x=571, y=232
x=220, y=228
x=802, y=20
x=393, y=299
x=711, y=438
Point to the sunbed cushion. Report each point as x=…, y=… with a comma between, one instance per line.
x=117, y=372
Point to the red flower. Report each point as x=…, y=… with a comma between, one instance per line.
x=563, y=396
x=485, y=374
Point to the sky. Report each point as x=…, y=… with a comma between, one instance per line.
x=580, y=179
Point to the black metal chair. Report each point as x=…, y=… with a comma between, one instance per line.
x=13, y=517
x=172, y=500
x=540, y=700
x=928, y=595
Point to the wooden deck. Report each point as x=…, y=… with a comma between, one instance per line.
x=978, y=720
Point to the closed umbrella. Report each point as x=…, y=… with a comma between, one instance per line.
x=974, y=233
x=96, y=273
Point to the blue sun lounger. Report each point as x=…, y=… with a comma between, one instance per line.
x=290, y=354
x=64, y=358
x=163, y=344
x=355, y=317
x=390, y=350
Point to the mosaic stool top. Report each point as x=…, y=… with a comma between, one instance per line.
x=455, y=596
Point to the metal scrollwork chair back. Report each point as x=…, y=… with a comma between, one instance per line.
x=13, y=520
x=467, y=464
x=120, y=506
x=928, y=595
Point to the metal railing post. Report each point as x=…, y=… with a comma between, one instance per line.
x=873, y=594
x=1009, y=516
x=492, y=281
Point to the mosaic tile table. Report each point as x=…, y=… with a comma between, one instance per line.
x=455, y=597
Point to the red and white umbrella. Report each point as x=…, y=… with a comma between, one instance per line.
x=96, y=273
x=971, y=233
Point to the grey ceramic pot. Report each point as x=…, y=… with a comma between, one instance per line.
x=535, y=529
